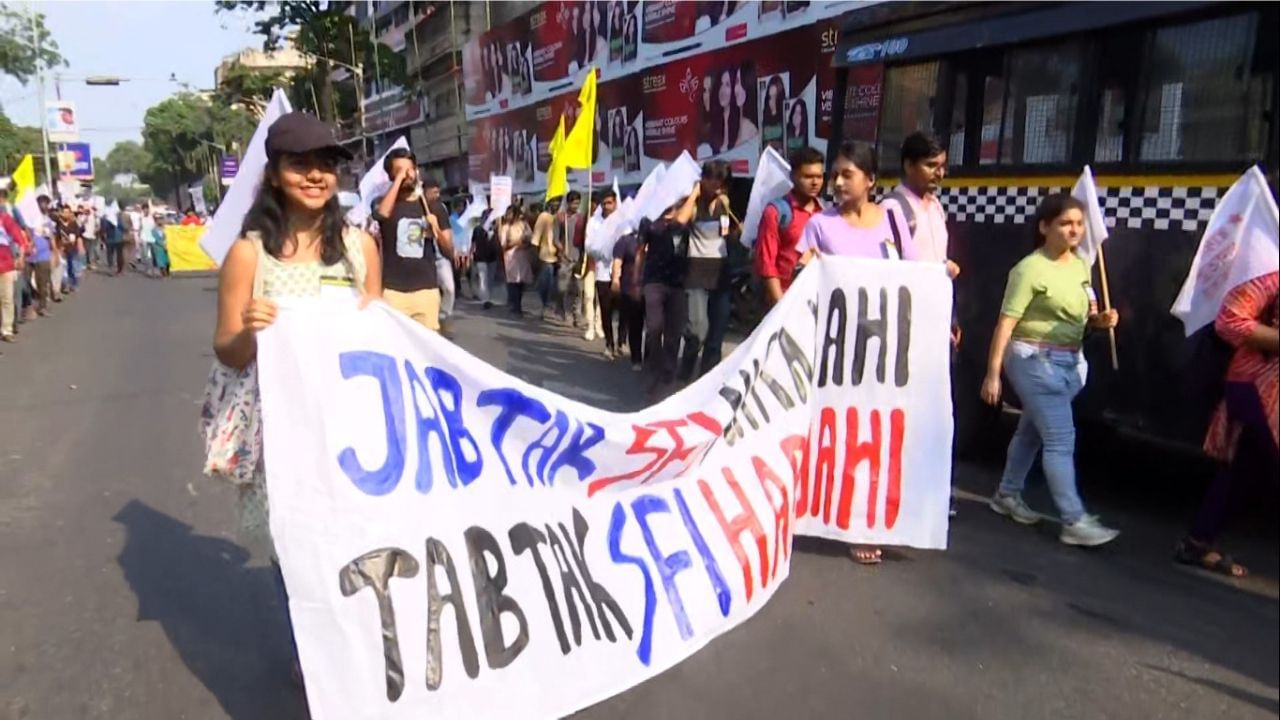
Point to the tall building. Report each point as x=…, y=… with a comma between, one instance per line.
x=430, y=37
x=286, y=60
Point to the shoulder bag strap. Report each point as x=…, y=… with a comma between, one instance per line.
x=897, y=236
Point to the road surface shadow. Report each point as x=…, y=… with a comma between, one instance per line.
x=225, y=620
x=1262, y=703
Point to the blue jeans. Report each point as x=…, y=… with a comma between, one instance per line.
x=708, y=319
x=72, y=263
x=546, y=283
x=1046, y=380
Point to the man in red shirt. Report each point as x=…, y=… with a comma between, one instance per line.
x=780, y=230
x=12, y=243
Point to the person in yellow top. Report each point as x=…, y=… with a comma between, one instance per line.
x=1048, y=303
x=544, y=239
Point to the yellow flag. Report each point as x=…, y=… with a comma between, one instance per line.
x=24, y=178
x=557, y=173
x=579, y=144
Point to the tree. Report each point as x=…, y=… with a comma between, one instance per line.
x=322, y=30
x=249, y=87
x=180, y=133
x=16, y=141
x=18, y=56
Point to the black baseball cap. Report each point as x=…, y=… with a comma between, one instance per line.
x=299, y=133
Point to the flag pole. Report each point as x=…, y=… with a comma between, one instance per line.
x=1106, y=305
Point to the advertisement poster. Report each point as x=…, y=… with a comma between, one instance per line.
x=547, y=50
x=725, y=104
x=60, y=121
x=75, y=161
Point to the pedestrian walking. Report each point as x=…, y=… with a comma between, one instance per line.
x=485, y=255
x=569, y=226
x=586, y=272
x=783, y=221
x=661, y=265
x=92, y=244
x=11, y=259
x=602, y=266
x=294, y=244
x=412, y=239
x=1048, y=303
x=517, y=248
x=626, y=287
x=854, y=226
x=113, y=238
x=544, y=239
x=706, y=283
x=41, y=261
x=1243, y=435
x=69, y=244
x=446, y=270
x=159, y=247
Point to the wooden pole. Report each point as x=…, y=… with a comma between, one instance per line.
x=1106, y=305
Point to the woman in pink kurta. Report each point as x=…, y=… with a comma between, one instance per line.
x=1243, y=435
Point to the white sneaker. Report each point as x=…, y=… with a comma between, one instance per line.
x=589, y=335
x=608, y=353
x=1012, y=506
x=1087, y=532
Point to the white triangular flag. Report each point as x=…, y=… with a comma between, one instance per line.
x=646, y=194
x=773, y=180
x=1095, y=227
x=1240, y=244
x=223, y=229
x=375, y=182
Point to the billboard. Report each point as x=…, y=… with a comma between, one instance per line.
x=728, y=103
x=60, y=121
x=75, y=161
x=547, y=50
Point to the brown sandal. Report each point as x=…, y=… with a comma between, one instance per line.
x=1197, y=554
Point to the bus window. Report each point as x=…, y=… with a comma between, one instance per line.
x=1196, y=94
x=909, y=92
x=1040, y=106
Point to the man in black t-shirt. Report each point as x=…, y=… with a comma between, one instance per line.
x=411, y=239
x=661, y=267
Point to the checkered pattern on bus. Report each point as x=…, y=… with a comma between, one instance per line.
x=1151, y=208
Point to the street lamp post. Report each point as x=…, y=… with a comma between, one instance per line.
x=44, y=120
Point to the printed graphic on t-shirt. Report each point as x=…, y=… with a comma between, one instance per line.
x=411, y=236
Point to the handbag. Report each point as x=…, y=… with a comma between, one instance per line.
x=231, y=415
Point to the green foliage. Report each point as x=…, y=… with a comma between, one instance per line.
x=16, y=141
x=18, y=38
x=179, y=132
x=321, y=29
x=249, y=87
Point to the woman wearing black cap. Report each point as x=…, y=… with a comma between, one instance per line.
x=293, y=243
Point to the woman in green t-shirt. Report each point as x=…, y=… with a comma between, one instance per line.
x=1048, y=302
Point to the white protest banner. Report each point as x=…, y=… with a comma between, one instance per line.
x=1095, y=227
x=196, y=193
x=224, y=227
x=1239, y=244
x=499, y=197
x=375, y=182
x=459, y=543
x=773, y=180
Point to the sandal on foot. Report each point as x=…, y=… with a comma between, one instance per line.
x=864, y=555
x=1196, y=554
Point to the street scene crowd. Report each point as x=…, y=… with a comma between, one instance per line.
x=655, y=307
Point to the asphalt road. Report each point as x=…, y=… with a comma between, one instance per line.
x=124, y=594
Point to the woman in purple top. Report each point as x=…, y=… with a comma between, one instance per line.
x=854, y=226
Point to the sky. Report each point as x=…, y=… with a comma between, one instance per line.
x=144, y=41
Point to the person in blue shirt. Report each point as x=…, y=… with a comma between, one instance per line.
x=159, y=250
x=42, y=256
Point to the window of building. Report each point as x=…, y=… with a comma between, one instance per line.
x=1197, y=95
x=909, y=92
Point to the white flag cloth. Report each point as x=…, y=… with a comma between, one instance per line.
x=1095, y=227
x=224, y=227
x=1239, y=245
x=196, y=191
x=773, y=180
x=475, y=208
x=677, y=183
x=375, y=182
x=645, y=195
x=29, y=206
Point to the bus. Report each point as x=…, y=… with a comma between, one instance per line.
x=1168, y=102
